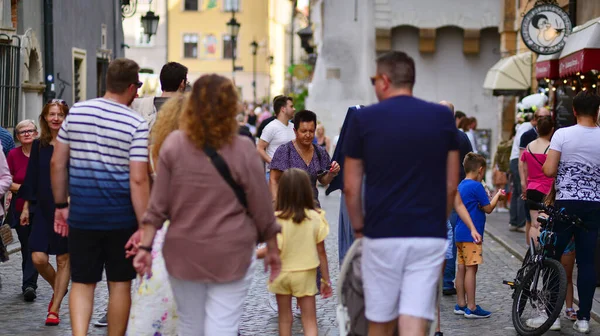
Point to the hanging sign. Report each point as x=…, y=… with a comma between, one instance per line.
x=544, y=29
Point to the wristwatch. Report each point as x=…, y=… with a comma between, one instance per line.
x=61, y=205
x=145, y=248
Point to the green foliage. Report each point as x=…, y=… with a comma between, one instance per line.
x=300, y=99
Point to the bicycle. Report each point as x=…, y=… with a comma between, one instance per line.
x=541, y=281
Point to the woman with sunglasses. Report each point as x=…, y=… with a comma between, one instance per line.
x=18, y=158
x=38, y=209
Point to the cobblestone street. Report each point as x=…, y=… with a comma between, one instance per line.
x=21, y=318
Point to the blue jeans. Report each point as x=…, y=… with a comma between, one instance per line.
x=518, y=210
x=585, y=248
x=450, y=270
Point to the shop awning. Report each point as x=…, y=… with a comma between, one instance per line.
x=582, y=50
x=511, y=76
x=547, y=66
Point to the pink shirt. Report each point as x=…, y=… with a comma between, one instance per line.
x=536, y=180
x=211, y=237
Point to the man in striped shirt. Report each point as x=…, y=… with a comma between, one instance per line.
x=104, y=145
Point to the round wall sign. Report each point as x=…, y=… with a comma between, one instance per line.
x=544, y=29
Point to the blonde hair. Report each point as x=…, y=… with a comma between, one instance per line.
x=24, y=123
x=167, y=121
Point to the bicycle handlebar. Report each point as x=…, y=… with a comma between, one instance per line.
x=560, y=215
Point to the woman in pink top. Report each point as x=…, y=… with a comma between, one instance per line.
x=209, y=246
x=534, y=183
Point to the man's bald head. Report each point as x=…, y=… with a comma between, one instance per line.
x=448, y=105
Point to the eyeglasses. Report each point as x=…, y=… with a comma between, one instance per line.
x=374, y=79
x=26, y=132
x=57, y=101
x=138, y=84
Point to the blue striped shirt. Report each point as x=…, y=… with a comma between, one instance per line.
x=7, y=141
x=103, y=137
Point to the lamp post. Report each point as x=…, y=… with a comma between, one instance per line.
x=254, y=46
x=234, y=29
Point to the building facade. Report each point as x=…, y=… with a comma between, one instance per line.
x=149, y=53
x=453, y=44
x=75, y=69
x=198, y=37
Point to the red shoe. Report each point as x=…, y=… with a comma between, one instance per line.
x=51, y=303
x=52, y=319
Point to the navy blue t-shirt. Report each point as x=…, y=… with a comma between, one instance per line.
x=404, y=143
x=527, y=138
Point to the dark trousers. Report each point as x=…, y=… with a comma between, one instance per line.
x=517, y=204
x=30, y=274
x=450, y=270
x=585, y=249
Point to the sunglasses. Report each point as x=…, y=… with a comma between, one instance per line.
x=57, y=101
x=374, y=79
x=138, y=84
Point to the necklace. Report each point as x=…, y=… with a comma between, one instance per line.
x=305, y=155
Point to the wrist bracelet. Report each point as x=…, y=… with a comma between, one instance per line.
x=328, y=283
x=145, y=248
x=61, y=205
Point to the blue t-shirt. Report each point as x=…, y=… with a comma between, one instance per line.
x=464, y=147
x=474, y=197
x=403, y=143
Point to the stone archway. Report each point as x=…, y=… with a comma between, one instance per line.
x=32, y=74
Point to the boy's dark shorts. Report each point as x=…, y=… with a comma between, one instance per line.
x=93, y=250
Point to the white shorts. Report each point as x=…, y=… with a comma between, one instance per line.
x=400, y=277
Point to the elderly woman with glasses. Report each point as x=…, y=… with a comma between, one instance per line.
x=38, y=209
x=18, y=158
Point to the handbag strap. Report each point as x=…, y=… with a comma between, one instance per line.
x=223, y=169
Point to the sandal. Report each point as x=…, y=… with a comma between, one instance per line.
x=571, y=314
x=52, y=319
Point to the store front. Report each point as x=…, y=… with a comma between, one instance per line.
x=576, y=69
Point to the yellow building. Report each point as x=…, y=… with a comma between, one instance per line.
x=199, y=38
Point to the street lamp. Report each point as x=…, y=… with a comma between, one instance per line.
x=149, y=20
x=306, y=39
x=254, y=46
x=150, y=24
x=234, y=29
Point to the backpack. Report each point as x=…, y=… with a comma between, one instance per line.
x=145, y=107
x=503, y=155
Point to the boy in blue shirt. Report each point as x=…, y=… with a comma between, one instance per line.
x=469, y=248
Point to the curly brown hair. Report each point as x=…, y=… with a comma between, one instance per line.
x=209, y=114
x=46, y=134
x=167, y=121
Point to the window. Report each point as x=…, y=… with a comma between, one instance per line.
x=101, y=68
x=79, y=75
x=227, y=47
x=231, y=5
x=190, y=5
x=190, y=45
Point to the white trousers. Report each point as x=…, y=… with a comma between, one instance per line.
x=211, y=308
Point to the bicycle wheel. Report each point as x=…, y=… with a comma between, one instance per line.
x=544, y=299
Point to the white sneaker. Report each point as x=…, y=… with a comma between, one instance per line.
x=536, y=322
x=502, y=210
x=582, y=326
x=556, y=325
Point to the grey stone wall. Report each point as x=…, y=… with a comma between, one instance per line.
x=77, y=24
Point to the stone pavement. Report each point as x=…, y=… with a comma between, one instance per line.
x=21, y=318
x=497, y=227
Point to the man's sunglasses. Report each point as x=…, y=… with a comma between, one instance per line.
x=374, y=79
x=138, y=84
x=57, y=101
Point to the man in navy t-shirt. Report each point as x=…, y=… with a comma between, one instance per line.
x=408, y=150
